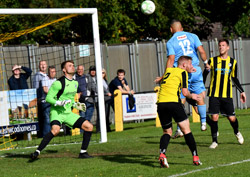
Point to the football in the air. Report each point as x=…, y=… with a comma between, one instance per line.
x=148, y=7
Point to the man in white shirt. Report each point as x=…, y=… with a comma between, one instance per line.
x=46, y=83
x=37, y=83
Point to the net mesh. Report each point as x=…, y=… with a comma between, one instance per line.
x=8, y=36
x=19, y=109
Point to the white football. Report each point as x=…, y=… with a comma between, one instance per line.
x=148, y=7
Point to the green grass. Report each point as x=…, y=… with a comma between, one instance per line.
x=135, y=151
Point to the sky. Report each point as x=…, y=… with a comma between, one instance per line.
x=20, y=97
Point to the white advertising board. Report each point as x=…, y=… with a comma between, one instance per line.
x=145, y=107
x=4, y=107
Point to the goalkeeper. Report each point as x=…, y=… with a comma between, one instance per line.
x=61, y=97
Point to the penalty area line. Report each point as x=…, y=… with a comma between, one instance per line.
x=209, y=168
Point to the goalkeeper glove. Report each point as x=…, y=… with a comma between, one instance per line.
x=62, y=103
x=80, y=106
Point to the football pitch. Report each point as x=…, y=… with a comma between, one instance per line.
x=135, y=152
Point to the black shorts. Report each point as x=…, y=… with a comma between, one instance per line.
x=191, y=101
x=224, y=106
x=167, y=111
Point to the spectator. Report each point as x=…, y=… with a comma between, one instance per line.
x=107, y=99
x=119, y=82
x=82, y=86
x=46, y=83
x=19, y=80
x=37, y=83
x=91, y=98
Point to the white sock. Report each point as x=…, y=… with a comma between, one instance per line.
x=83, y=151
x=38, y=151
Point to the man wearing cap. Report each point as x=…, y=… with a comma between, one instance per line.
x=91, y=99
x=19, y=80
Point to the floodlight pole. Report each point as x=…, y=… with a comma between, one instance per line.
x=96, y=38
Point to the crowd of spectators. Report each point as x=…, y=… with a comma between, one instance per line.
x=87, y=91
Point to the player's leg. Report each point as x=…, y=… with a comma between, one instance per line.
x=214, y=131
x=55, y=129
x=75, y=121
x=228, y=109
x=165, y=116
x=214, y=110
x=88, y=128
x=178, y=132
x=197, y=86
x=202, y=110
x=181, y=118
x=85, y=125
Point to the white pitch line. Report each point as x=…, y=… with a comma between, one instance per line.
x=209, y=168
x=193, y=171
x=233, y=163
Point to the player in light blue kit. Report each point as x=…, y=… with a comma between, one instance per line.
x=187, y=44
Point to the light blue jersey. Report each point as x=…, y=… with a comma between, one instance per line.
x=184, y=43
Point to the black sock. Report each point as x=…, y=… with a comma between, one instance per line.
x=214, y=130
x=235, y=126
x=45, y=141
x=189, y=138
x=208, y=120
x=86, y=140
x=164, y=143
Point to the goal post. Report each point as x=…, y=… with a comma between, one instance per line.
x=96, y=41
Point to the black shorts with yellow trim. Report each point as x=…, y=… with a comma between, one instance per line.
x=169, y=110
x=224, y=106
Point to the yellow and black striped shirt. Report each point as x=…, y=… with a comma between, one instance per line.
x=173, y=80
x=222, y=72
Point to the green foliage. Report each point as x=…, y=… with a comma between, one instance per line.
x=232, y=14
x=122, y=20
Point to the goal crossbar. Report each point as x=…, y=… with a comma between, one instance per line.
x=96, y=38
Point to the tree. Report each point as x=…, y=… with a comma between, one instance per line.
x=122, y=20
x=232, y=14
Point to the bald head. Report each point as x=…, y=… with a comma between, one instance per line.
x=175, y=26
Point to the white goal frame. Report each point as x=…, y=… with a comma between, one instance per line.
x=95, y=27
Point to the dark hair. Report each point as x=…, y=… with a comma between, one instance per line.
x=182, y=58
x=51, y=67
x=92, y=68
x=174, y=21
x=64, y=63
x=121, y=71
x=223, y=40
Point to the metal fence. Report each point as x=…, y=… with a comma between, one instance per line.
x=143, y=62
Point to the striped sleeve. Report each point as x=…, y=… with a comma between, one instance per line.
x=234, y=69
x=184, y=79
x=235, y=79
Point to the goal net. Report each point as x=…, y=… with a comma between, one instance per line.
x=19, y=107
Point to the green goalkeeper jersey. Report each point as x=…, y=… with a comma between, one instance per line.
x=62, y=89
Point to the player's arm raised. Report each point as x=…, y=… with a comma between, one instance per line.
x=204, y=57
x=170, y=61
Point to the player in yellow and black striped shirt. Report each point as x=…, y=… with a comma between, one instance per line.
x=223, y=70
x=169, y=104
